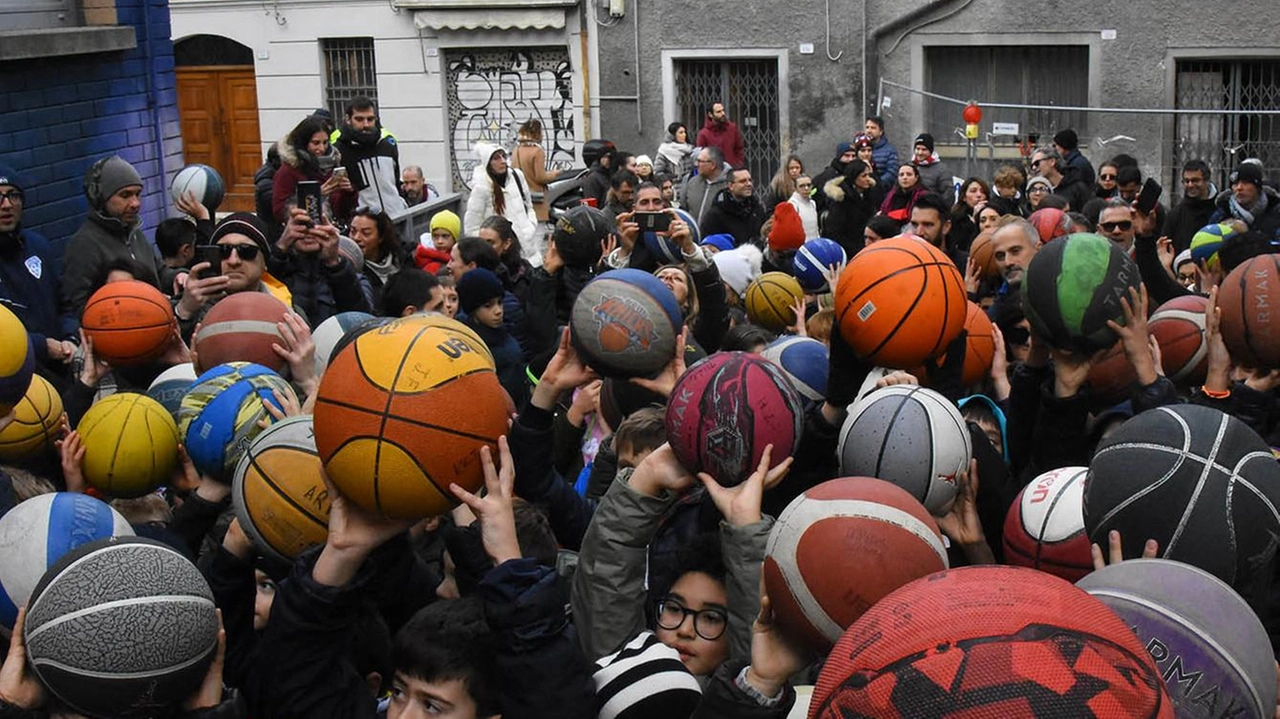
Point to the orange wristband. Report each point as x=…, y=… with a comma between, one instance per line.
x=1216, y=394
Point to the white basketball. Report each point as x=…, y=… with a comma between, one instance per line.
x=1053, y=505
x=202, y=181
x=171, y=385
x=37, y=532
x=910, y=436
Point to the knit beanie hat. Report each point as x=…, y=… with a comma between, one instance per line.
x=447, y=220
x=843, y=148
x=735, y=270
x=9, y=176
x=476, y=288
x=925, y=139
x=1247, y=172
x=645, y=680
x=243, y=223
x=644, y=160
x=722, y=241
x=1039, y=180
x=788, y=230
x=107, y=177
x=1067, y=139
x=860, y=141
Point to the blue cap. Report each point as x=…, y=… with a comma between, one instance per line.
x=721, y=242
x=10, y=176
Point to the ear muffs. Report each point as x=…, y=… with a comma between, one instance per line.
x=93, y=184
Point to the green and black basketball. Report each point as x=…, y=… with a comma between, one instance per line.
x=1073, y=286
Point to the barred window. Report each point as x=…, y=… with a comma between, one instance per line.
x=349, y=71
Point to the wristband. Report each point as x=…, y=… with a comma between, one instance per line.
x=756, y=695
x=1216, y=394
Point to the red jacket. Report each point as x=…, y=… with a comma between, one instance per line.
x=727, y=137
x=429, y=259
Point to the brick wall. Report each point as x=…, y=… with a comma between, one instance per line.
x=60, y=114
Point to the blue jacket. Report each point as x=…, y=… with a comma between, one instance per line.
x=30, y=285
x=886, y=159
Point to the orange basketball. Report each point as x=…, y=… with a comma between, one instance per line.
x=979, y=348
x=982, y=251
x=403, y=411
x=129, y=322
x=900, y=302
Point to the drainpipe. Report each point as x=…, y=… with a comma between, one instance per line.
x=871, y=50
x=153, y=81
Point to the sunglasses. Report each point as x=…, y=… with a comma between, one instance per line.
x=1107, y=177
x=248, y=253
x=1124, y=225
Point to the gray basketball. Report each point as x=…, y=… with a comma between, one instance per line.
x=910, y=436
x=1210, y=647
x=122, y=627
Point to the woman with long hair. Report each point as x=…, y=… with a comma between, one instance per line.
x=902, y=198
x=379, y=242
x=675, y=155
x=499, y=189
x=513, y=269
x=783, y=183
x=306, y=155
x=529, y=158
x=974, y=193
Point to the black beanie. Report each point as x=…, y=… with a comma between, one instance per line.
x=925, y=139
x=1067, y=139
x=476, y=288
x=243, y=223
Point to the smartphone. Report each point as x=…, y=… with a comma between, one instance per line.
x=1149, y=196
x=653, y=221
x=309, y=199
x=339, y=171
x=212, y=255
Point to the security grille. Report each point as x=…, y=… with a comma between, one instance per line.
x=349, y=71
x=1224, y=140
x=749, y=91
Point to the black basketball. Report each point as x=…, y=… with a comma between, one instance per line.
x=578, y=234
x=1198, y=481
x=1073, y=286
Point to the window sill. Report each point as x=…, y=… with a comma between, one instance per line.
x=31, y=44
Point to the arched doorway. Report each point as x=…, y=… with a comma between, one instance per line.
x=218, y=102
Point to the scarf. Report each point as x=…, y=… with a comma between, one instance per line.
x=930, y=160
x=383, y=268
x=1239, y=212
x=675, y=152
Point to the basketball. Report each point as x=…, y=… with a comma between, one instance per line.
x=219, y=415
x=979, y=352
x=910, y=436
x=34, y=534
x=1207, y=643
x=327, y=334
x=1206, y=243
x=202, y=181
x=1250, y=329
x=726, y=409
x=625, y=323
x=129, y=322
x=804, y=361
x=403, y=412
x=900, y=302
x=279, y=493
x=1073, y=286
x=770, y=299
x=990, y=643
x=36, y=424
x=171, y=386
x=982, y=253
x=1111, y=378
x=839, y=548
x=666, y=250
x=1050, y=223
x=123, y=628
x=17, y=360
x=130, y=445
x=812, y=260
x=1045, y=526
x=241, y=328
x=1178, y=326
x=1199, y=482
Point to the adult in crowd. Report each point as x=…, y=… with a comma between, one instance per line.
x=721, y=132
x=883, y=153
x=850, y=199
x=1196, y=207
x=675, y=155
x=530, y=159
x=1047, y=163
x=499, y=189
x=699, y=192
x=321, y=281
x=306, y=155
x=898, y=203
x=1250, y=201
x=783, y=184
x=736, y=211
x=974, y=194
x=934, y=175
x=414, y=187
x=380, y=247
x=371, y=156
x=1067, y=143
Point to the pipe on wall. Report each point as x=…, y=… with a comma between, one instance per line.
x=872, y=50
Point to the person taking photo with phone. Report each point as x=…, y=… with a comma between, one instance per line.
x=305, y=154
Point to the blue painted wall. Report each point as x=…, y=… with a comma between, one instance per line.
x=58, y=115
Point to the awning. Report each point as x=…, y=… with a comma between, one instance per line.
x=491, y=19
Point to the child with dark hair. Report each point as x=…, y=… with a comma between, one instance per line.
x=176, y=239
x=480, y=300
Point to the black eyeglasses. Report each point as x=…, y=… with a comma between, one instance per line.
x=1106, y=177
x=1123, y=225
x=248, y=253
x=13, y=196
x=1036, y=163
x=707, y=623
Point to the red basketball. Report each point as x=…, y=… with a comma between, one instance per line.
x=129, y=322
x=1250, y=324
x=980, y=348
x=900, y=302
x=990, y=643
x=1178, y=326
x=726, y=409
x=1045, y=526
x=242, y=328
x=839, y=548
x=1111, y=378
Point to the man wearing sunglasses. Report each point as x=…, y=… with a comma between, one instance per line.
x=241, y=240
x=1065, y=180
x=1116, y=224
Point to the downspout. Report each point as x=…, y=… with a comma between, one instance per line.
x=872, y=63
x=153, y=81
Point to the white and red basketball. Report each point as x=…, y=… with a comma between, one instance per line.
x=241, y=328
x=839, y=548
x=1045, y=526
x=1178, y=326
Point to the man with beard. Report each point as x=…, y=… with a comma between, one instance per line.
x=371, y=157
x=719, y=131
x=29, y=279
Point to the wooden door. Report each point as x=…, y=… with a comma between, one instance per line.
x=219, y=109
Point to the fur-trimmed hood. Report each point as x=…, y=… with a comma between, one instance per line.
x=304, y=161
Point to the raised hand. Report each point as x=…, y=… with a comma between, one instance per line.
x=666, y=380
x=494, y=510
x=1115, y=550
x=740, y=505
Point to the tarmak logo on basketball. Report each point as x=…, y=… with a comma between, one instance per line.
x=1262, y=299
x=1172, y=668
x=623, y=325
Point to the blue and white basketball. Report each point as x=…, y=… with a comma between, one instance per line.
x=36, y=533
x=812, y=260
x=171, y=386
x=202, y=181
x=804, y=361
x=220, y=413
x=329, y=332
x=666, y=250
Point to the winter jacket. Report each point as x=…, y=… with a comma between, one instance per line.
x=722, y=699
x=808, y=212
x=1185, y=220
x=713, y=306
x=518, y=206
x=30, y=286
x=372, y=159
x=264, y=186
x=935, y=176
x=296, y=167
x=847, y=211
x=429, y=259
x=595, y=186
x=963, y=228
x=898, y=203
x=509, y=361
x=319, y=290
x=698, y=194
x=885, y=158
x=729, y=215
x=1081, y=167
x=1267, y=222
x=100, y=241
x=726, y=136
x=1074, y=190
x=1155, y=277
x=674, y=159
x=532, y=445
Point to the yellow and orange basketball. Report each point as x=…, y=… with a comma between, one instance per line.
x=770, y=300
x=279, y=493
x=37, y=417
x=403, y=411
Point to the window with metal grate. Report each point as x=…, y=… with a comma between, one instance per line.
x=349, y=71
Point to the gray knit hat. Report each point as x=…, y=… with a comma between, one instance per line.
x=107, y=177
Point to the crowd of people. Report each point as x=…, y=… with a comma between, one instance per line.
x=594, y=575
